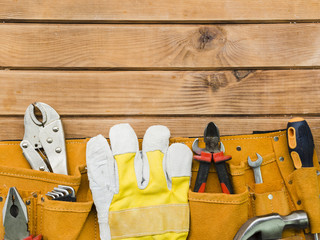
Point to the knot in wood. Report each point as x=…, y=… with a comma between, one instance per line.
x=217, y=81
x=208, y=38
x=205, y=37
x=240, y=74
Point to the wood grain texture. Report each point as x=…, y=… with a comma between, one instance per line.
x=165, y=10
x=80, y=127
x=166, y=46
x=109, y=93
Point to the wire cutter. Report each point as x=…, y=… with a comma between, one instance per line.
x=214, y=152
x=15, y=218
x=43, y=144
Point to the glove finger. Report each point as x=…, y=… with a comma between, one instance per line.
x=155, y=144
x=178, y=163
x=125, y=149
x=103, y=180
x=101, y=164
x=123, y=139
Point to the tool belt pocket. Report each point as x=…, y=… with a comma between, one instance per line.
x=61, y=220
x=217, y=215
x=53, y=219
x=303, y=185
x=270, y=196
x=28, y=197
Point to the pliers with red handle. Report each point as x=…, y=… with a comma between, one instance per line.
x=214, y=152
x=15, y=218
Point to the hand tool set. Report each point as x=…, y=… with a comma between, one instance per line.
x=301, y=149
x=44, y=148
x=63, y=193
x=265, y=185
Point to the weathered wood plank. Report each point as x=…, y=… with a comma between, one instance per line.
x=159, y=46
x=75, y=127
x=165, y=10
x=109, y=93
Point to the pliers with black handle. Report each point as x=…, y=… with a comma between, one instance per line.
x=214, y=152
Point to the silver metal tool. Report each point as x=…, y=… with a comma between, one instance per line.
x=15, y=217
x=198, y=150
x=63, y=193
x=43, y=144
x=255, y=165
x=270, y=227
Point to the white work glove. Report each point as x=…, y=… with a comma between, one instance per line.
x=140, y=194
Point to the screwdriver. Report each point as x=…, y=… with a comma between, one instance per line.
x=300, y=143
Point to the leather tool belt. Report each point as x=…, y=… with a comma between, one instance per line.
x=214, y=215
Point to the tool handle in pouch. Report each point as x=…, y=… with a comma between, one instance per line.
x=202, y=177
x=221, y=168
x=224, y=179
x=300, y=142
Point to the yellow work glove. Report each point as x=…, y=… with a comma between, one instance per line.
x=140, y=195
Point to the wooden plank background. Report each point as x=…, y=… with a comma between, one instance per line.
x=245, y=64
x=158, y=11
x=163, y=46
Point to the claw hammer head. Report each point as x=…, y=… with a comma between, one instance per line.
x=271, y=226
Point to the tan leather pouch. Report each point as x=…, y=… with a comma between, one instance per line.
x=215, y=215
x=53, y=219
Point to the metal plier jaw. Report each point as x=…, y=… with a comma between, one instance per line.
x=198, y=150
x=204, y=155
x=15, y=217
x=43, y=144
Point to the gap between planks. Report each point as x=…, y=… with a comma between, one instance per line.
x=165, y=10
x=125, y=69
x=160, y=22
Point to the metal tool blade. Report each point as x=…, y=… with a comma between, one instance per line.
x=212, y=138
x=195, y=147
x=15, y=216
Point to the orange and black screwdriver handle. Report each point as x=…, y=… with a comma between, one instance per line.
x=300, y=143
